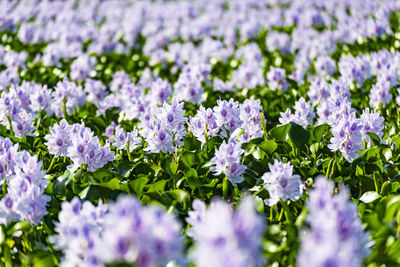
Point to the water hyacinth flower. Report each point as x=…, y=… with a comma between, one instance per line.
x=159, y=140
x=249, y=75
x=25, y=198
x=371, y=122
x=123, y=231
x=250, y=110
x=227, y=115
x=304, y=114
x=222, y=86
x=9, y=107
x=78, y=233
x=59, y=139
x=78, y=143
x=204, y=122
x=325, y=66
x=281, y=183
x=164, y=131
x=40, y=99
x=225, y=237
x=146, y=236
x=189, y=87
x=122, y=139
x=276, y=79
x=227, y=160
x=319, y=91
x=347, y=137
x=23, y=124
x=160, y=91
x=95, y=90
x=379, y=94
x=120, y=78
x=278, y=41
x=73, y=94
x=81, y=67
x=336, y=236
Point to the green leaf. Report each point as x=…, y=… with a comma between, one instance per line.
x=44, y=259
x=158, y=187
x=386, y=188
x=280, y=132
x=174, y=167
x=125, y=168
x=188, y=159
x=298, y=135
x=137, y=186
x=369, y=197
x=374, y=138
x=178, y=194
x=113, y=184
x=259, y=203
x=192, y=178
x=268, y=146
x=319, y=131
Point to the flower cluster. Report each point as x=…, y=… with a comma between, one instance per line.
x=122, y=139
x=336, y=236
x=164, y=127
x=123, y=231
x=281, y=183
x=78, y=143
x=25, y=198
x=69, y=92
x=276, y=79
x=347, y=137
x=304, y=114
x=226, y=237
x=227, y=161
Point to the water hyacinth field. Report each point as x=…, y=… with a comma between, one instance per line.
x=226, y=133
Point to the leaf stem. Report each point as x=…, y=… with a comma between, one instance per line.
x=225, y=187
x=288, y=214
x=51, y=164
x=128, y=151
x=11, y=127
x=64, y=107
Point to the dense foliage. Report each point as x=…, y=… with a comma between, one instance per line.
x=199, y=133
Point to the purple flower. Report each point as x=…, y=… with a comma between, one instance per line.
x=227, y=161
x=379, y=94
x=227, y=112
x=73, y=94
x=25, y=185
x=95, y=90
x=347, y=137
x=336, y=236
x=160, y=91
x=304, y=114
x=122, y=139
x=59, y=139
x=371, y=122
x=124, y=231
x=79, y=144
x=276, y=79
x=281, y=183
x=203, y=123
x=144, y=235
x=81, y=67
x=325, y=66
x=224, y=236
x=120, y=78
x=278, y=41
x=159, y=140
x=78, y=231
x=189, y=87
